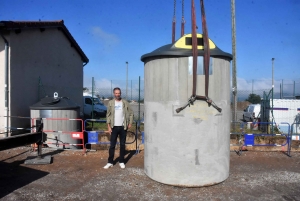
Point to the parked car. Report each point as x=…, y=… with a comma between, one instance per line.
x=98, y=109
x=251, y=112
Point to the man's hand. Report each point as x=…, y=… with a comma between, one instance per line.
x=129, y=126
x=109, y=129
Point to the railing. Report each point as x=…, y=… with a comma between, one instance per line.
x=73, y=134
x=93, y=136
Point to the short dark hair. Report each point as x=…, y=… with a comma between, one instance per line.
x=116, y=88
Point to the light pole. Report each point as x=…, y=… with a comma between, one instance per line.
x=126, y=80
x=272, y=93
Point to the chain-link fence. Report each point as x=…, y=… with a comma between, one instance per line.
x=283, y=89
x=132, y=91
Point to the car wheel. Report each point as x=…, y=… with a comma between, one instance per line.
x=95, y=115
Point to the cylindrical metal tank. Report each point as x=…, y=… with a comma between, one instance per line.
x=58, y=107
x=190, y=148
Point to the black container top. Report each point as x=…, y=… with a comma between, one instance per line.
x=51, y=103
x=183, y=48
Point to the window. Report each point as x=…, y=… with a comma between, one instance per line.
x=88, y=101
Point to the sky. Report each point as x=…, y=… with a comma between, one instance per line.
x=112, y=33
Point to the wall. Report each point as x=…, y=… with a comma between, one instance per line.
x=2, y=81
x=47, y=54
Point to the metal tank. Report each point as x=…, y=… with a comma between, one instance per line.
x=58, y=107
x=190, y=148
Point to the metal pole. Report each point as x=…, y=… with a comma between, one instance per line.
x=92, y=97
x=234, y=83
x=272, y=93
x=126, y=80
x=280, y=91
x=111, y=89
x=252, y=86
x=139, y=97
x=294, y=90
x=131, y=91
x=282, y=88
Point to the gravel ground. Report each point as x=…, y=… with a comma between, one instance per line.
x=74, y=176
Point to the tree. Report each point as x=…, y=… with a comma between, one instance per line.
x=254, y=98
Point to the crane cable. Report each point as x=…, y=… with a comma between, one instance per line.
x=174, y=23
x=182, y=19
x=206, y=59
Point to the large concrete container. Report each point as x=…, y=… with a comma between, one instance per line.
x=55, y=108
x=190, y=148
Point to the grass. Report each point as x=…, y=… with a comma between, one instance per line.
x=96, y=126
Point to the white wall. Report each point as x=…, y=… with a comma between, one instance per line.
x=47, y=54
x=3, y=111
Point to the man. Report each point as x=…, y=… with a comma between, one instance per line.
x=119, y=118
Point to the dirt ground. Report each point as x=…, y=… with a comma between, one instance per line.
x=73, y=176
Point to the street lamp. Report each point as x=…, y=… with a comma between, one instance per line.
x=126, y=80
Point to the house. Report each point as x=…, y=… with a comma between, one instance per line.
x=37, y=58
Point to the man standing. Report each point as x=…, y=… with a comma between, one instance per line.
x=119, y=118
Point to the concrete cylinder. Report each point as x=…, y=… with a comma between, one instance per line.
x=190, y=148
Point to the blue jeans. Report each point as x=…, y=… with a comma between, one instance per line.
x=117, y=130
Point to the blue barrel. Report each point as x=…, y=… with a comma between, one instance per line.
x=92, y=137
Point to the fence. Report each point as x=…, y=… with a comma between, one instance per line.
x=282, y=88
x=133, y=93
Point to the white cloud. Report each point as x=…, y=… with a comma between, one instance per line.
x=108, y=39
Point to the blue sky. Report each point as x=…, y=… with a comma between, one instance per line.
x=113, y=32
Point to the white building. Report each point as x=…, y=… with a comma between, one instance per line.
x=31, y=51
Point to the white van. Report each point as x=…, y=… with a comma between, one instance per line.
x=251, y=112
x=99, y=108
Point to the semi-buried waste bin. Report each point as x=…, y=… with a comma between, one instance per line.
x=53, y=108
x=189, y=148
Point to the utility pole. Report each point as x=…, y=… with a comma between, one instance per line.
x=233, y=38
x=126, y=80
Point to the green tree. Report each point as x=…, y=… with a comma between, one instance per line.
x=253, y=98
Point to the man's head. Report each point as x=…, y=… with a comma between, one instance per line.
x=117, y=93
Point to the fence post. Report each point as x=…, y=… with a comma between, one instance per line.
x=111, y=88
x=294, y=90
x=92, y=97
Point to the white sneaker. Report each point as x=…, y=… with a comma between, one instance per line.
x=122, y=165
x=108, y=165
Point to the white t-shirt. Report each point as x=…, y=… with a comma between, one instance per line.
x=119, y=117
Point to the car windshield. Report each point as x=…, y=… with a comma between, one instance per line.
x=97, y=101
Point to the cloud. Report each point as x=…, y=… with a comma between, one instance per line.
x=107, y=39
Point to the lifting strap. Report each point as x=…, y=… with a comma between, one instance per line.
x=182, y=19
x=174, y=23
x=206, y=59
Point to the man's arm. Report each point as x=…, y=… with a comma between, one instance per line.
x=130, y=116
x=108, y=118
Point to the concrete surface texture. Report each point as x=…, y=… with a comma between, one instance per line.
x=190, y=148
x=73, y=176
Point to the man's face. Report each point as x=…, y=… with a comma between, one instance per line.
x=117, y=94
